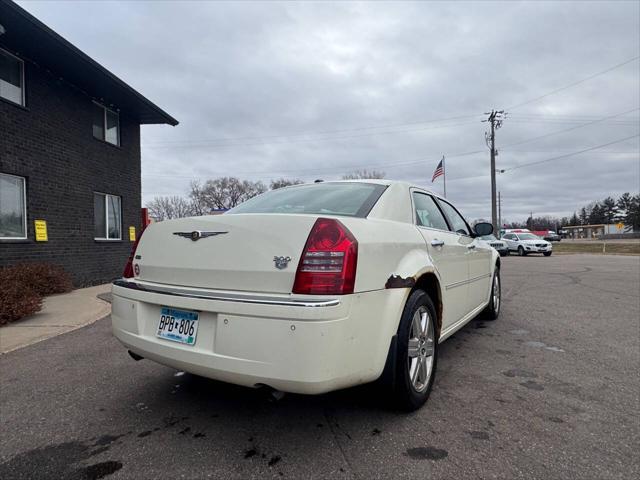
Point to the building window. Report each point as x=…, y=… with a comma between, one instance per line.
x=107, y=217
x=13, y=207
x=11, y=78
x=106, y=124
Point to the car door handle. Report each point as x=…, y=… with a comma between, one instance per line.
x=437, y=243
x=471, y=246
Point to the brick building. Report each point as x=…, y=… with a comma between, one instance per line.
x=69, y=153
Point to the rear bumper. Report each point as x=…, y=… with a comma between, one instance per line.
x=291, y=343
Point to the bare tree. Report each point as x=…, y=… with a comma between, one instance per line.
x=166, y=208
x=223, y=193
x=198, y=203
x=364, y=174
x=283, y=182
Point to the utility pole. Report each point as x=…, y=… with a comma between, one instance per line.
x=495, y=117
x=497, y=233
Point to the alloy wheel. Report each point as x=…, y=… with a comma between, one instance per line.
x=496, y=292
x=421, y=349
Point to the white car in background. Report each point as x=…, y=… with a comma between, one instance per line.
x=310, y=288
x=524, y=243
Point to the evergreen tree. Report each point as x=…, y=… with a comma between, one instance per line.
x=584, y=216
x=596, y=216
x=624, y=206
x=632, y=218
x=574, y=219
x=609, y=210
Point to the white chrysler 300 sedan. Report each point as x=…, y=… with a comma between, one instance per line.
x=310, y=288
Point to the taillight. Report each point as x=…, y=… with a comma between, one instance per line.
x=328, y=262
x=128, y=268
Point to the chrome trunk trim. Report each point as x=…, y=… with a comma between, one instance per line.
x=225, y=297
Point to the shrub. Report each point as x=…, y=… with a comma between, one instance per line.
x=43, y=278
x=22, y=287
x=17, y=301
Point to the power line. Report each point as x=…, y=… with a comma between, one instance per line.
x=569, y=154
x=558, y=150
x=628, y=123
x=554, y=115
x=319, y=170
x=295, y=135
x=506, y=170
x=548, y=159
x=574, y=83
x=314, y=140
x=570, y=128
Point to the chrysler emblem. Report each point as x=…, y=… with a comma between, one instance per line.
x=281, y=262
x=198, y=234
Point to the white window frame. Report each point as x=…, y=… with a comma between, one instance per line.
x=106, y=218
x=24, y=206
x=22, y=84
x=104, y=124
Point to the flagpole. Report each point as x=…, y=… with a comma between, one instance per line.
x=444, y=177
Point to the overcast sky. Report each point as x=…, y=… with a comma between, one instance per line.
x=316, y=90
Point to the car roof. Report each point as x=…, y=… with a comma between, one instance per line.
x=384, y=181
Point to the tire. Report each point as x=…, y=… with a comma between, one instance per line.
x=521, y=252
x=547, y=254
x=492, y=312
x=415, y=368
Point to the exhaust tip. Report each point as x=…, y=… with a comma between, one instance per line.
x=135, y=356
x=271, y=394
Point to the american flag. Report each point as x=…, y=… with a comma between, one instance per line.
x=439, y=171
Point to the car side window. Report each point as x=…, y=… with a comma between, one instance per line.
x=507, y=236
x=427, y=212
x=456, y=221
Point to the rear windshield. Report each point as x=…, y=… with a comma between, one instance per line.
x=348, y=199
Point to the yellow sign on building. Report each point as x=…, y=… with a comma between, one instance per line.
x=620, y=226
x=132, y=234
x=41, y=230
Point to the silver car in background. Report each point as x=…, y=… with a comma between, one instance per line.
x=525, y=243
x=499, y=245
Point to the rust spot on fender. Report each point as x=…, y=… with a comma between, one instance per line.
x=396, y=281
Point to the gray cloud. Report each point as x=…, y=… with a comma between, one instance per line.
x=253, y=83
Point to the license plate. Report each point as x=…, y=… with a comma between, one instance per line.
x=178, y=325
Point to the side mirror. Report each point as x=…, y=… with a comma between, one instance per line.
x=483, y=228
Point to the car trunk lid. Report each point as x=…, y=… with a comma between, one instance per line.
x=232, y=252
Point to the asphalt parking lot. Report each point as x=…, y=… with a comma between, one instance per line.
x=550, y=390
